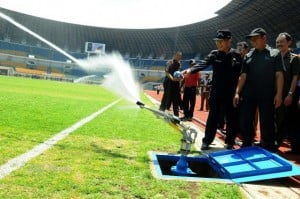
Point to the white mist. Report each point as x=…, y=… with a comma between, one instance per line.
x=120, y=78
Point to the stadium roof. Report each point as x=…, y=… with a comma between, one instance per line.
x=240, y=16
x=134, y=14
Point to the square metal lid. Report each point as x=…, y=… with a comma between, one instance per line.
x=251, y=164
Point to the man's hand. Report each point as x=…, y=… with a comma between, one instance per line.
x=176, y=79
x=236, y=100
x=277, y=100
x=288, y=100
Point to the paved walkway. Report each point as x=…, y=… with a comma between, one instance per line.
x=284, y=188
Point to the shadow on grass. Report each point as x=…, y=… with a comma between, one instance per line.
x=98, y=149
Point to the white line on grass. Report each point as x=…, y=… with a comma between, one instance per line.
x=19, y=161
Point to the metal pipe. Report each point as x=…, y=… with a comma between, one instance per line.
x=188, y=138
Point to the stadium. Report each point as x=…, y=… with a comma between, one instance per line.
x=106, y=155
x=148, y=48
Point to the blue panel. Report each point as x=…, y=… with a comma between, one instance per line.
x=227, y=158
x=239, y=168
x=293, y=172
x=248, y=161
x=251, y=153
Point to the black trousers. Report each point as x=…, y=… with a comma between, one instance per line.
x=294, y=122
x=248, y=107
x=283, y=116
x=204, y=98
x=189, y=100
x=170, y=96
x=165, y=101
x=216, y=104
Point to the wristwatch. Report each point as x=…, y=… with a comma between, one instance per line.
x=290, y=93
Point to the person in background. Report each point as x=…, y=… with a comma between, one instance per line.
x=171, y=85
x=242, y=47
x=226, y=64
x=257, y=89
x=286, y=115
x=190, y=84
x=205, y=89
x=157, y=89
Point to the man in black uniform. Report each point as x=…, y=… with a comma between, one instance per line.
x=226, y=63
x=256, y=89
x=171, y=85
x=287, y=118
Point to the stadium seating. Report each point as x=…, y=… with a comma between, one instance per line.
x=13, y=52
x=38, y=52
x=12, y=64
x=30, y=71
x=150, y=79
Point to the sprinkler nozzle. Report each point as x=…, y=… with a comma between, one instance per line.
x=140, y=104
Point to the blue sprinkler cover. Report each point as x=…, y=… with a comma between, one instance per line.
x=251, y=164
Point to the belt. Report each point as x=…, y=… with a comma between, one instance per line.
x=190, y=86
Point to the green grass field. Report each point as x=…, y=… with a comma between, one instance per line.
x=106, y=158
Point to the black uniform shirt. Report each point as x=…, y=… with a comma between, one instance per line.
x=226, y=71
x=172, y=66
x=261, y=68
x=291, y=66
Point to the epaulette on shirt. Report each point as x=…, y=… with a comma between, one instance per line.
x=292, y=56
x=234, y=52
x=214, y=52
x=211, y=56
x=273, y=51
x=250, y=53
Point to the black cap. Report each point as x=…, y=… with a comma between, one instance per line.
x=192, y=62
x=256, y=32
x=223, y=34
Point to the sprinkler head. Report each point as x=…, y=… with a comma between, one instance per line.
x=140, y=104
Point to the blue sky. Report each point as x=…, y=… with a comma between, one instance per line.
x=120, y=13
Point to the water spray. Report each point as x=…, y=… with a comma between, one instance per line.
x=189, y=135
x=118, y=81
x=82, y=79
